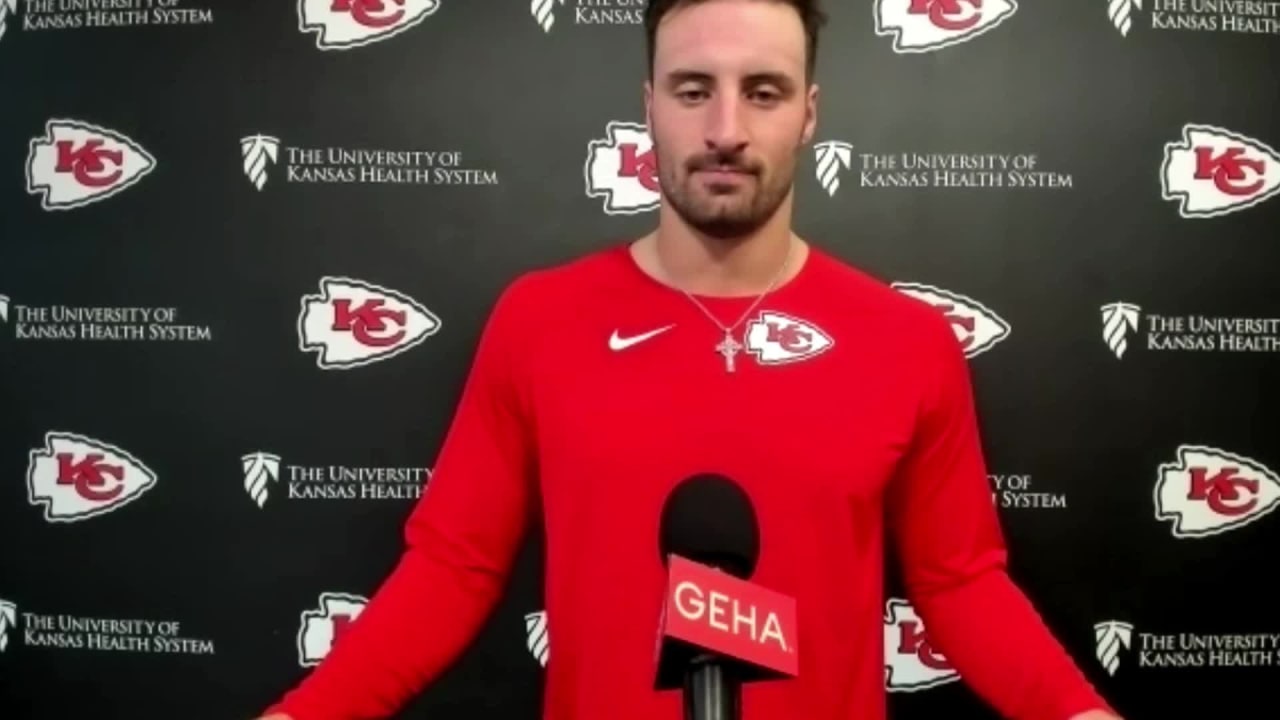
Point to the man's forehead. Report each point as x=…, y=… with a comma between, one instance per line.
x=738, y=62
x=742, y=38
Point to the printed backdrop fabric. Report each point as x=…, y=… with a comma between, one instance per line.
x=248, y=248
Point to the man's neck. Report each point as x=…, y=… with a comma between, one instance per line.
x=683, y=258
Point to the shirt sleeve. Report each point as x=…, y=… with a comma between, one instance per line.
x=461, y=540
x=953, y=557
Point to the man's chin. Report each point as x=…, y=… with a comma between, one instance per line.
x=724, y=227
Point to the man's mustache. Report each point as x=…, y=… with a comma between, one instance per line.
x=722, y=161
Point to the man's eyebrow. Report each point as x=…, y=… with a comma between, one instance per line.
x=784, y=82
x=675, y=77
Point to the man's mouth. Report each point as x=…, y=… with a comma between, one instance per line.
x=723, y=171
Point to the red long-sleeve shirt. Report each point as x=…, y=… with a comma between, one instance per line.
x=848, y=419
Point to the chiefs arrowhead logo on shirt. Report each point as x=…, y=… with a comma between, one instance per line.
x=919, y=26
x=352, y=323
x=323, y=627
x=345, y=24
x=977, y=328
x=776, y=338
x=1214, y=172
x=623, y=169
x=76, y=478
x=77, y=163
x=1208, y=491
x=910, y=662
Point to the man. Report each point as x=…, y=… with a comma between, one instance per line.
x=720, y=342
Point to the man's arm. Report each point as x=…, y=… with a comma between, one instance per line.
x=461, y=540
x=953, y=557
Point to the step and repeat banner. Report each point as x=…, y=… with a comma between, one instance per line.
x=248, y=247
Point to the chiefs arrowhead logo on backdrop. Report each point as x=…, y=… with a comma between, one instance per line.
x=323, y=627
x=77, y=478
x=77, y=163
x=346, y=24
x=776, y=338
x=919, y=26
x=1214, y=172
x=623, y=169
x=976, y=326
x=352, y=323
x=536, y=638
x=1210, y=491
x=910, y=662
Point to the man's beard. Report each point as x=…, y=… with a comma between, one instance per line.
x=728, y=215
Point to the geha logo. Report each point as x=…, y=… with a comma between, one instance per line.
x=724, y=613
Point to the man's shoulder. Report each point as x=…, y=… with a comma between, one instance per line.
x=566, y=277
x=544, y=287
x=913, y=334
x=872, y=296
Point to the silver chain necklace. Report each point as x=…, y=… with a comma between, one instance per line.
x=729, y=347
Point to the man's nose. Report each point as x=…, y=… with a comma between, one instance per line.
x=726, y=129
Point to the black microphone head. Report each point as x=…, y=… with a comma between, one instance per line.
x=709, y=519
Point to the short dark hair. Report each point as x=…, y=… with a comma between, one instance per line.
x=810, y=14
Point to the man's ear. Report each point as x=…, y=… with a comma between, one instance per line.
x=810, y=114
x=648, y=103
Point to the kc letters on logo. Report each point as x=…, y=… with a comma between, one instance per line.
x=352, y=323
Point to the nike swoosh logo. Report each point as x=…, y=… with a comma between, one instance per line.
x=617, y=342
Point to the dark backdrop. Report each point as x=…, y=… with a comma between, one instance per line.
x=204, y=476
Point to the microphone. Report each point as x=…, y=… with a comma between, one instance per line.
x=717, y=630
